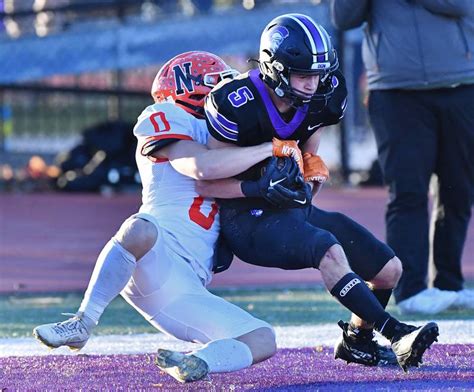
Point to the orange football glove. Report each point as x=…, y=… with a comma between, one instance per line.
x=288, y=148
x=315, y=169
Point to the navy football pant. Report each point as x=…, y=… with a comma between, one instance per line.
x=299, y=238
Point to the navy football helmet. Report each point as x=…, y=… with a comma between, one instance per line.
x=296, y=43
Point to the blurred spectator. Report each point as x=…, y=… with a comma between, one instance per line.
x=104, y=161
x=418, y=56
x=105, y=157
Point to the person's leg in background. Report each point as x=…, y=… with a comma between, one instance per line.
x=406, y=133
x=453, y=190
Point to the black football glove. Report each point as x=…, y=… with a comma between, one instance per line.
x=284, y=171
x=283, y=197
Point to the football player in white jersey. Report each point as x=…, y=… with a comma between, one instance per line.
x=161, y=258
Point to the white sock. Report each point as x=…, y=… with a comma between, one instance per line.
x=113, y=269
x=225, y=355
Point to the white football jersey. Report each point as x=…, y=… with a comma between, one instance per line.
x=191, y=221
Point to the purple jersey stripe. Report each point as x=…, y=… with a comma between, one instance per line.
x=219, y=129
x=283, y=129
x=318, y=39
x=229, y=125
x=216, y=116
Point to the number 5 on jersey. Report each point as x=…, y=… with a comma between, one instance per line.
x=240, y=97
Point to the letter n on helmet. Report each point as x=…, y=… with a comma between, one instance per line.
x=187, y=78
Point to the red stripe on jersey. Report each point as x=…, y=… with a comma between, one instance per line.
x=161, y=137
x=157, y=160
x=169, y=136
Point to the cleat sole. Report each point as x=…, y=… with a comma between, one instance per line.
x=181, y=367
x=51, y=346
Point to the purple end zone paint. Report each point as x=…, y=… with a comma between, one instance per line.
x=446, y=367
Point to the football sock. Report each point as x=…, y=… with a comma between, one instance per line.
x=383, y=295
x=387, y=328
x=112, y=271
x=225, y=355
x=352, y=292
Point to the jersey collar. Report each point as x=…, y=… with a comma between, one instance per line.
x=282, y=128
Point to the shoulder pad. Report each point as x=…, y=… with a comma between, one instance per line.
x=222, y=121
x=161, y=124
x=163, y=119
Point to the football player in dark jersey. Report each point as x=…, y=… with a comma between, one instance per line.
x=297, y=90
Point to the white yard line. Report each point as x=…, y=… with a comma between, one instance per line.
x=451, y=332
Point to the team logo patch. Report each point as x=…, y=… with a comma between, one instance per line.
x=183, y=77
x=348, y=287
x=277, y=35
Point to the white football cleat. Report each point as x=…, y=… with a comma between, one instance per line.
x=73, y=332
x=428, y=301
x=182, y=367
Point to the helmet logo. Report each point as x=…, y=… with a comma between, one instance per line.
x=183, y=78
x=277, y=35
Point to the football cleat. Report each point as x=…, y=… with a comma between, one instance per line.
x=409, y=343
x=358, y=346
x=182, y=367
x=73, y=332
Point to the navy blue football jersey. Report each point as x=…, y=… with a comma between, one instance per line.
x=241, y=112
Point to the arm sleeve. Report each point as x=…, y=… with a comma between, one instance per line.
x=160, y=125
x=220, y=119
x=349, y=14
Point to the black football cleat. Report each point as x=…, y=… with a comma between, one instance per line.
x=358, y=346
x=410, y=343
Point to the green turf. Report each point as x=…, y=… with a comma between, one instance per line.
x=299, y=306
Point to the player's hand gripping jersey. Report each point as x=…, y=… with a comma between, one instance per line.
x=169, y=195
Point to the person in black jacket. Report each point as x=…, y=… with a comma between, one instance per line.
x=420, y=71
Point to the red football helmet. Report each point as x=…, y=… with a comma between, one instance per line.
x=187, y=78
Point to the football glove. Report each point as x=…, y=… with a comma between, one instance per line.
x=283, y=197
x=288, y=148
x=277, y=171
x=315, y=170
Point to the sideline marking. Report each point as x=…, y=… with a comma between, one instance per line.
x=451, y=332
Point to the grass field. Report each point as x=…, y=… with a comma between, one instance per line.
x=296, y=306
